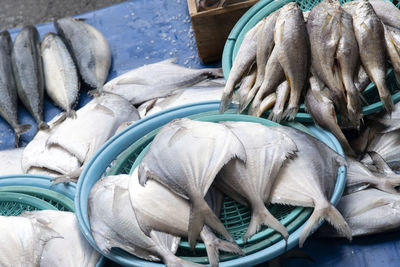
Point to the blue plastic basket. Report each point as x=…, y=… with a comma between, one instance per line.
x=105, y=156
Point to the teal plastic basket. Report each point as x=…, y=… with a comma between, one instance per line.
x=13, y=204
x=262, y=9
x=118, y=156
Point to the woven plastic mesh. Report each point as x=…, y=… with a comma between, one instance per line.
x=11, y=208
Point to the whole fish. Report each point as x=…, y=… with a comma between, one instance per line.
x=210, y=91
x=8, y=90
x=61, y=76
x=212, y=145
x=157, y=80
x=347, y=55
x=10, y=161
x=69, y=251
x=282, y=95
x=250, y=183
x=89, y=49
x=323, y=28
x=245, y=56
x=22, y=240
x=266, y=104
x=291, y=40
x=368, y=212
x=245, y=86
x=274, y=75
x=319, y=104
x=371, y=41
x=28, y=72
x=154, y=204
x=359, y=177
x=113, y=223
x=309, y=180
x=264, y=48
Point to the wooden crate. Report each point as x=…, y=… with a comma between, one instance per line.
x=212, y=27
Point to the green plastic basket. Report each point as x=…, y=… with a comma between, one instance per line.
x=13, y=204
x=234, y=216
x=262, y=9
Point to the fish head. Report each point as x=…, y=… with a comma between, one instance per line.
x=363, y=9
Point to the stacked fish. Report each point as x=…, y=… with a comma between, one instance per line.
x=329, y=53
x=188, y=165
x=50, y=65
x=44, y=238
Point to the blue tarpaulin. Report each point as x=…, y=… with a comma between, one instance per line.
x=146, y=31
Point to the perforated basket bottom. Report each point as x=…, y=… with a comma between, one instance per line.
x=10, y=208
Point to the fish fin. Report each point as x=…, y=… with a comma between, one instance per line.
x=200, y=214
x=71, y=114
x=261, y=216
x=71, y=177
x=60, y=119
x=380, y=164
x=226, y=100
x=104, y=109
x=48, y=232
x=171, y=260
x=214, y=72
x=332, y=215
x=43, y=125
x=19, y=129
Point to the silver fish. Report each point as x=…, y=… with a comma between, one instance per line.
x=384, y=122
x=157, y=80
x=319, y=104
x=305, y=15
x=61, y=76
x=291, y=40
x=113, y=224
x=211, y=146
x=392, y=49
x=69, y=251
x=323, y=27
x=89, y=49
x=28, y=72
x=362, y=80
x=309, y=180
x=23, y=240
x=8, y=89
x=368, y=212
x=245, y=87
x=282, y=95
x=154, y=204
x=243, y=60
x=347, y=55
x=266, y=104
x=264, y=48
x=371, y=41
x=250, y=183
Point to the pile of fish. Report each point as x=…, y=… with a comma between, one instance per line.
x=187, y=169
x=56, y=65
x=328, y=54
x=44, y=238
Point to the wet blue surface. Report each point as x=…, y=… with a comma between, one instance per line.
x=146, y=31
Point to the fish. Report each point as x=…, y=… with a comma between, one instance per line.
x=245, y=87
x=282, y=95
x=113, y=223
x=209, y=90
x=369, y=211
x=371, y=41
x=89, y=48
x=264, y=49
x=291, y=40
x=69, y=251
x=8, y=89
x=323, y=28
x=23, y=240
x=359, y=177
x=362, y=80
x=157, y=80
x=28, y=72
x=250, y=183
x=392, y=44
x=274, y=75
x=266, y=104
x=154, y=204
x=309, y=180
x=319, y=104
x=384, y=122
x=347, y=56
x=10, y=161
x=94, y=124
x=245, y=57
x=305, y=15
x=60, y=73
x=212, y=145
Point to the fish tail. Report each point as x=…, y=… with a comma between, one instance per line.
x=290, y=113
x=19, y=129
x=261, y=216
x=71, y=114
x=387, y=101
x=43, y=125
x=332, y=215
x=200, y=214
x=214, y=244
x=389, y=184
x=96, y=92
x=214, y=72
x=226, y=100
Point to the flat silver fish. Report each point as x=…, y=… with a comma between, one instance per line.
x=10, y=161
